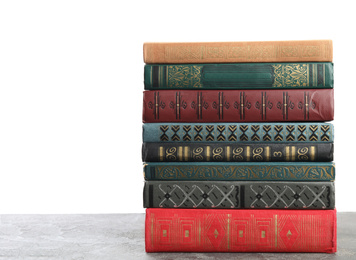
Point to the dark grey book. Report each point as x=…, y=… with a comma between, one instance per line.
x=239, y=195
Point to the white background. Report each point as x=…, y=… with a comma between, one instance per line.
x=71, y=82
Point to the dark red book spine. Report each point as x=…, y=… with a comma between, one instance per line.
x=218, y=230
x=238, y=105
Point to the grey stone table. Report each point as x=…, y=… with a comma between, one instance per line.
x=121, y=236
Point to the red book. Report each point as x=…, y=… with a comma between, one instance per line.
x=238, y=105
x=218, y=230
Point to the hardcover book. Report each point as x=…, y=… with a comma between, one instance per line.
x=230, y=52
x=239, y=171
x=239, y=195
x=243, y=230
x=238, y=76
x=237, y=152
x=209, y=106
x=238, y=132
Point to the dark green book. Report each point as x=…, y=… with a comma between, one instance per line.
x=239, y=171
x=239, y=76
x=239, y=195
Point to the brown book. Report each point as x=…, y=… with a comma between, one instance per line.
x=228, y=52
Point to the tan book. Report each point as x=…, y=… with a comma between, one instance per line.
x=229, y=52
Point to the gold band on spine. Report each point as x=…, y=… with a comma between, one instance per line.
x=228, y=153
x=276, y=231
x=248, y=151
x=293, y=154
x=208, y=153
x=268, y=153
x=287, y=154
x=312, y=153
x=186, y=153
x=228, y=231
x=315, y=75
x=161, y=150
x=180, y=153
x=324, y=78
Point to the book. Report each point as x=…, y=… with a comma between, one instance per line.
x=238, y=132
x=242, y=230
x=238, y=76
x=239, y=195
x=237, y=152
x=209, y=106
x=230, y=52
x=239, y=171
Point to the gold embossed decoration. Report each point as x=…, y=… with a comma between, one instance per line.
x=292, y=75
x=182, y=76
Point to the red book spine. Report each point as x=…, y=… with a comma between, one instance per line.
x=200, y=230
x=238, y=105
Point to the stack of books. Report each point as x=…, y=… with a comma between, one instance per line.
x=237, y=150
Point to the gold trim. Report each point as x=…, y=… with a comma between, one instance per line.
x=228, y=153
x=276, y=231
x=312, y=153
x=287, y=154
x=208, y=153
x=228, y=231
x=324, y=75
x=180, y=153
x=293, y=153
x=268, y=153
x=161, y=153
x=315, y=75
x=248, y=151
x=186, y=153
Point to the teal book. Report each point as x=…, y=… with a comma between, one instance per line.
x=239, y=76
x=239, y=171
x=238, y=132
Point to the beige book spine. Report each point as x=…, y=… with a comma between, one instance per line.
x=235, y=52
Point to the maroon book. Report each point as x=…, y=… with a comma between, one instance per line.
x=231, y=230
x=238, y=105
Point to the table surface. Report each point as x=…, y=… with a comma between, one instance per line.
x=121, y=236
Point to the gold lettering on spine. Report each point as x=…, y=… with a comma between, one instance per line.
x=312, y=153
x=248, y=151
x=287, y=153
x=161, y=153
x=186, y=153
x=180, y=153
x=293, y=154
x=308, y=65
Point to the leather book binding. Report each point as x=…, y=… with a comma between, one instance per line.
x=240, y=230
x=231, y=52
x=239, y=195
x=238, y=132
x=237, y=152
x=209, y=106
x=239, y=76
x=239, y=171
